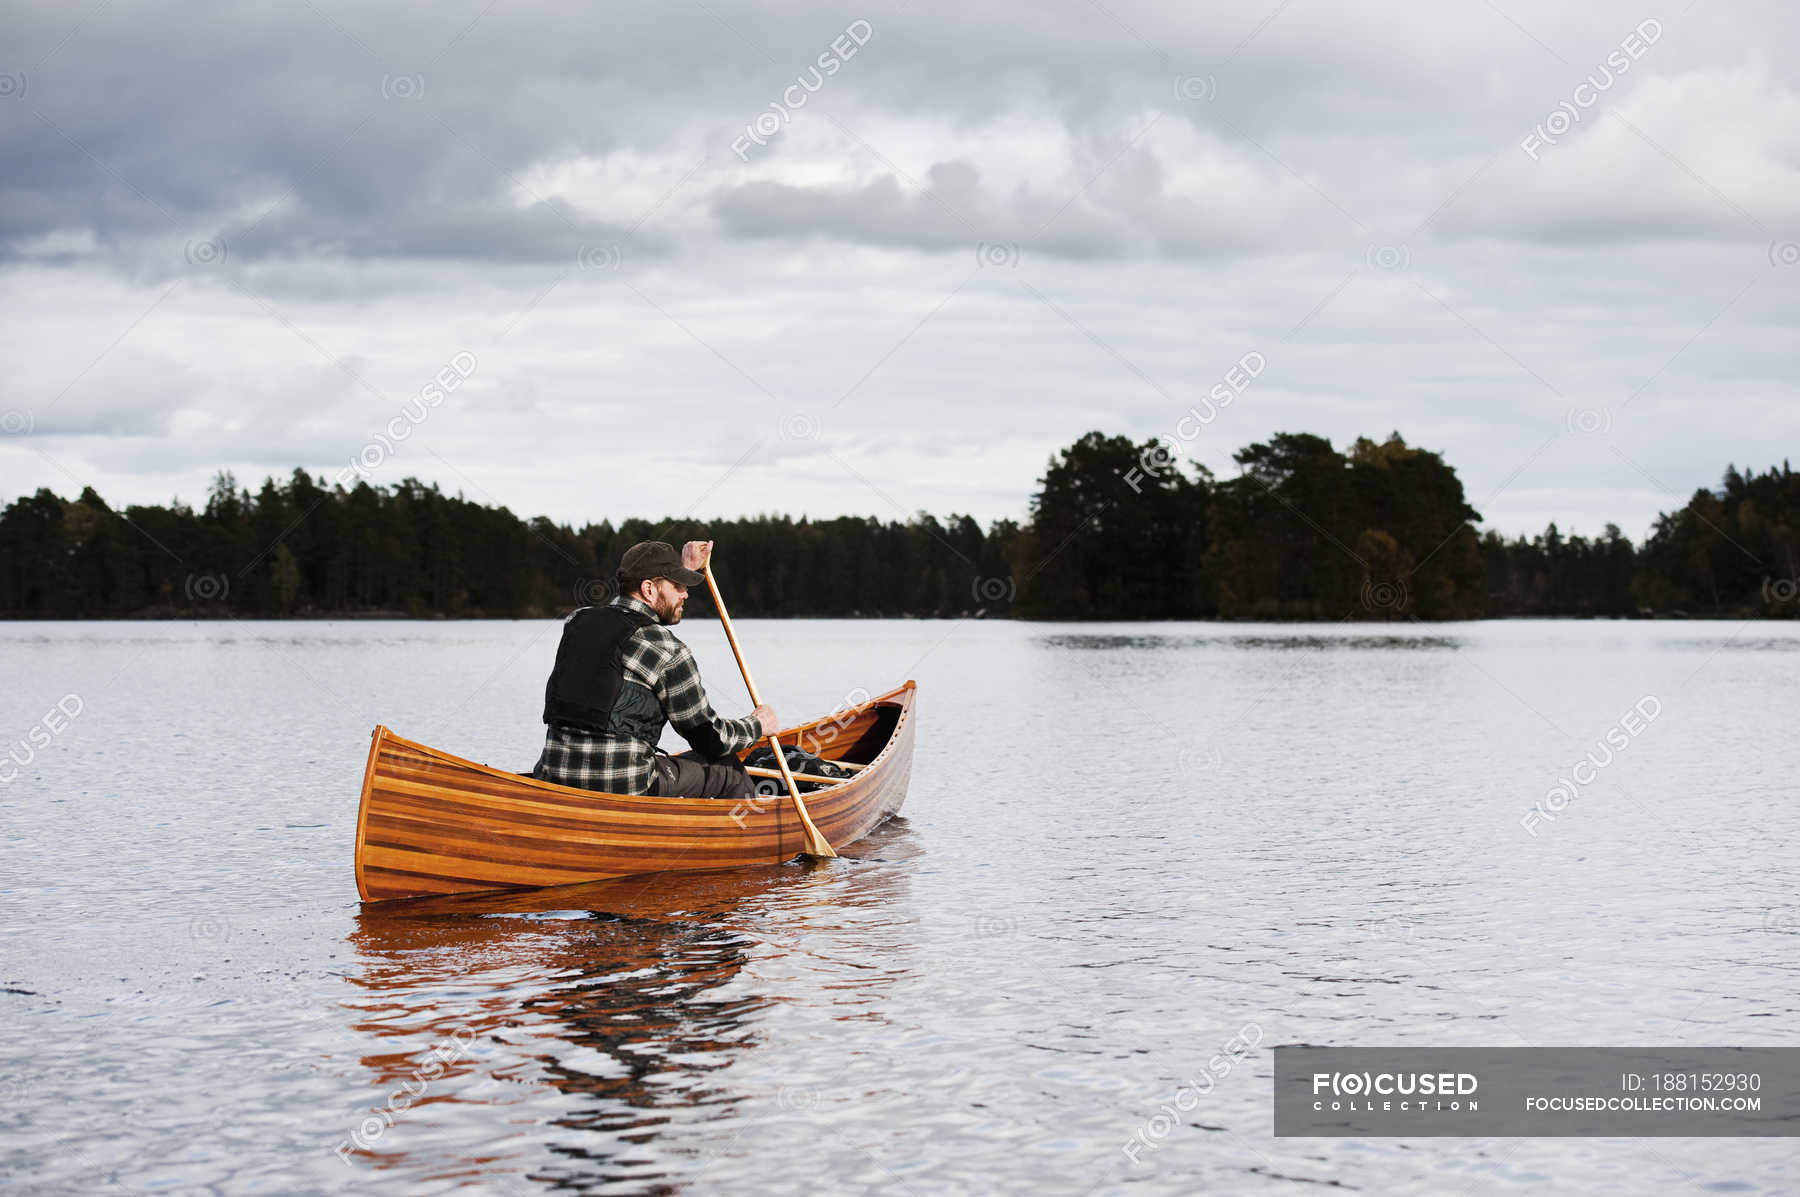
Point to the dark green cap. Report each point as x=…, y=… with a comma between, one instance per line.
x=656, y=559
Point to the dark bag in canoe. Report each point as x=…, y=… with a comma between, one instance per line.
x=798, y=761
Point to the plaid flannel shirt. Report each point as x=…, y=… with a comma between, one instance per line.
x=655, y=659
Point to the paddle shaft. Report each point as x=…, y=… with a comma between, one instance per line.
x=816, y=843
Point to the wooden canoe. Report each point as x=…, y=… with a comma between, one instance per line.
x=432, y=823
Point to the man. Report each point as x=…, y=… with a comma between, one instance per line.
x=621, y=674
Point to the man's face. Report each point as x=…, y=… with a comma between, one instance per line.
x=667, y=599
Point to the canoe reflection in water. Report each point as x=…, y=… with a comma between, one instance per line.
x=605, y=1034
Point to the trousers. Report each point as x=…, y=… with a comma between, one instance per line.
x=691, y=775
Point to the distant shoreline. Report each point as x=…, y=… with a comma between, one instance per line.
x=1379, y=532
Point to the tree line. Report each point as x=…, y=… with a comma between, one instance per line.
x=1116, y=530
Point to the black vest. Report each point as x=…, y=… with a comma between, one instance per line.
x=584, y=685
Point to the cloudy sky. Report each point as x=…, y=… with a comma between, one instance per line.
x=691, y=258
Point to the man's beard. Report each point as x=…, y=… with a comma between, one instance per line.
x=671, y=613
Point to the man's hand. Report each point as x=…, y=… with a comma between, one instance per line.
x=765, y=714
x=696, y=553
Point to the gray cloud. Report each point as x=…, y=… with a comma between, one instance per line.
x=1129, y=213
x=1342, y=188
x=371, y=133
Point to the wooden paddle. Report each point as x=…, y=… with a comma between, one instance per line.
x=816, y=844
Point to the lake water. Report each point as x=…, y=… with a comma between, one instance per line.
x=1124, y=846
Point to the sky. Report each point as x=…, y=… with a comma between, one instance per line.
x=714, y=260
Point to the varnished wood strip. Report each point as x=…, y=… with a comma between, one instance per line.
x=394, y=883
x=500, y=808
x=461, y=858
x=490, y=874
x=601, y=808
x=494, y=844
x=524, y=793
x=452, y=810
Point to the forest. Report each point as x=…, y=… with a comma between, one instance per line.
x=1116, y=530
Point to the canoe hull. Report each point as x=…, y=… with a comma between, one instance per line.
x=432, y=823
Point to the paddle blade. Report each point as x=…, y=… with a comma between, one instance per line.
x=816, y=843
